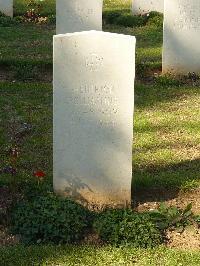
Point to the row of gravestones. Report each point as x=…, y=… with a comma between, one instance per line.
x=138, y=6
x=181, y=26
x=94, y=96
x=181, y=32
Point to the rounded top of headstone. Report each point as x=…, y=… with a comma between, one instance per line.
x=95, y=33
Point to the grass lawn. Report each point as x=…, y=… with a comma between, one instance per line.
x=166, y=149
x=32, y=44
x=32, y=104
x=166, y=129
x=90, y=256
x=20, y=6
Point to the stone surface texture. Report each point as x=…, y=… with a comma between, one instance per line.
x=181, y=49
x=6, y=7
x=145, y=6
x=78, y=15
x=93, y=117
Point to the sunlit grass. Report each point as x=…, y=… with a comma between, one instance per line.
x=20, y=6
x=166, y=132
x=90, y=256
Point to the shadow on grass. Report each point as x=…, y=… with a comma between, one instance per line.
x=164, y=182
x=149, y=95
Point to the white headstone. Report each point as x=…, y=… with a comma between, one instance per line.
x=78, y=15
x=181, y=47
x=140, y=7
x=6, y=7
x=93, y=116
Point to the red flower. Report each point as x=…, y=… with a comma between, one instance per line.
x=39, y=173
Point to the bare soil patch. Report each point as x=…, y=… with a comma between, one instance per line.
x=187, y=240
x=149, y=199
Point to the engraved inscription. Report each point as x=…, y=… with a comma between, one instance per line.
x=94, y=62
x=93, y=101
x=80, y=13
x=187, y=16
x=98, y=99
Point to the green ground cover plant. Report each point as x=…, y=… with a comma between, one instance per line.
x=125, y=227
x=50, y=219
